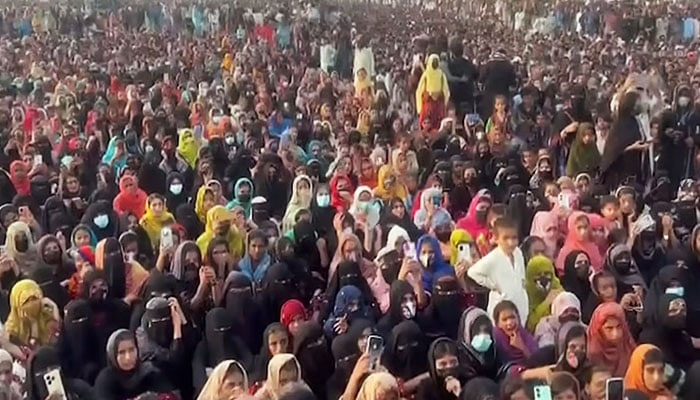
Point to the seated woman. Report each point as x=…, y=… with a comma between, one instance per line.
x=609, y=339
x=513, y=341
x=126, y=376
x=349, y=305
x=257, y=259
x=482, y=354
x=282, y=370
x=156, y=218
x=125, y=277
x=47, y=359
x=33, y=319
x=228, y=380
x=646, y=373
x=276, y=340
x=446, y=374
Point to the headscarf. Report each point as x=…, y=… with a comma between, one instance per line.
x=397, y=190
x=188, y=147
x=25, y=260
x=172, y=200
x=98, y=209
x=364, y=213
x=404, y=353
x=616, y=356
x=153, y=224
x=235, y=242
x=537, y=267
x=479, y=232
x=376, y=385
x=542, y=224
x=583, y=157
x=19, y=322
x=246, y=265
x=212, y=389
x=199, y=202
x=86, y=228
x=130, y=202
x=290, y=310
x=480, y=363
x=510, y=352
x=22, y=186
x=571, y=281
x=432, y=81
x=236, y=202
x=314, y=355
x=296, y=203
x=625, y=279
x=361, y=84
x=634, y=377
x=458, y=236
x=658, y=287
x=264, y=355
x=337, y=200
x=575, y=242
x=272, y=385
x=222, y=341
x=439, y=267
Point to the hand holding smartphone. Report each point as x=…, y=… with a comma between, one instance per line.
x=375, y=347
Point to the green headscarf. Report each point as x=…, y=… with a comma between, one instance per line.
x=583, y=157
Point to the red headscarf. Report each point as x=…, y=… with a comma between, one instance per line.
x=575, y=242
x=134, y=202
x=22, y=186
x=337, y=201
x=290, y=310
x=480, y=232
x=615, y=355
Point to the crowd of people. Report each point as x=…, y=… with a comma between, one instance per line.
x=366, y=200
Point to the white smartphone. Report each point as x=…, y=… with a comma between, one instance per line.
x=54, y=384
x=614, y=389
x=375, y=347
x=564, y=201
x=543, y=392
x=464, y=252
x=409, y=251
x=166, y=237
x=38, y=159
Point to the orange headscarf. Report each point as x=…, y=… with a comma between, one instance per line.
x=634, y=378
x=615, y=355
x=133, y=202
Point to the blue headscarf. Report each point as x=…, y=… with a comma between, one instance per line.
x=439, y=267
x=346, y=297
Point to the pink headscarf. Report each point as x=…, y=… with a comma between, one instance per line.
x=541, y=227
x=575, y=242
x=469, y=223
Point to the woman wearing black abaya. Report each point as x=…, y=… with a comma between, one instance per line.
x=102, y=219
x=314, y=355
x=56, y=217
x=50, y=252
x=444, y=364
x=403, y=306
x=445, y=310
x=271, y=183
x=577, y=266
x=648, y=253
x=285, y=251
x=348, y=273
x=345, y=354
x=185, y=216
x=625, y=152
x=161, y=342
x=275, y=340
x=278, y=286
x=479, y=348
x=50, y=286
x=692, y=297
x=151, y=178
x=619, y=262
x=322, y=217
x=126, y=376
x=108, y=313
x=404, y=353
x=669, y=334
x=220, y=343
x=246, y=314
x=47, y=359
x=395, y=213
x=78, y=345
x=175, y=194
x=672, y=280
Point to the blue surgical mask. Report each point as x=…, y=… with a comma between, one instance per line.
x=323, y=200
x=101, y=221
x=678, y=291
x=481, y=342
x=176, y=188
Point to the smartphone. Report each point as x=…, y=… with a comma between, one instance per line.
x=38, y=159
x=613, y=389
x=464, y=252
x=542, y=392
x=54, y=384
x=564, y=201
x=166, y=237
x=166, y=77
x=409, y=251
x=375, y=347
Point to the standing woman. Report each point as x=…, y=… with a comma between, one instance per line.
x=625, y=149
x=126, y=376
x=609, y=339
x=432, y=93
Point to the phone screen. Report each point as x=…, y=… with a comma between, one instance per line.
x=409, y=250
x=464, y=252
x=613, y=389
x=375, y=347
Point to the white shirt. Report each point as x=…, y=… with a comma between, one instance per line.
x=505, y=280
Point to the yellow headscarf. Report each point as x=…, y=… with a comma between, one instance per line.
x=19, y=325
x=188, y=147
x=227, y=63
x=362, y=83
x=458, y=237
x=152, y=224
x=398, y=190
x=235, y=241
x=199, y=203
x=432, y=81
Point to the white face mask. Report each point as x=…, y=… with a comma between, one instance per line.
x=149, y=149
x=230, y=140
x=176, y=188
x=408, y=309
x=425, y=259
x=683, y=101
